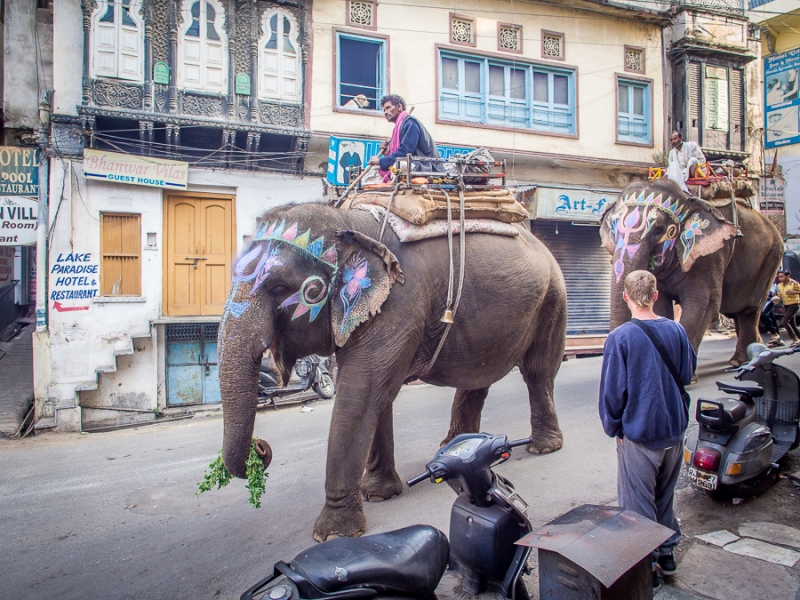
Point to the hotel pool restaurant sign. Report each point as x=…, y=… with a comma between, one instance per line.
x=19, y=171
x=135, y=170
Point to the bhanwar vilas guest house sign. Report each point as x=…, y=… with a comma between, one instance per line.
x=135, y=170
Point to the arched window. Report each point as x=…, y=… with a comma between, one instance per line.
x=279, y=58
x=203, y=46
x=117, y=40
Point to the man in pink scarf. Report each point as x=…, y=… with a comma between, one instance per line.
x=408, y=137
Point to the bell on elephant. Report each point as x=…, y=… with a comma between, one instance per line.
x=692, y=249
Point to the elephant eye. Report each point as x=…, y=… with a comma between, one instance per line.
x=659, y=230
x=279, y=289
x=314, y=290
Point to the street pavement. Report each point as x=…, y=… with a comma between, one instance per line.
x=115, y=515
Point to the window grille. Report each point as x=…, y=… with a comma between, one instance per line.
x=462, y=30
x=634, y=59
x=552, y=45
x=361, y=13
x=509, y=37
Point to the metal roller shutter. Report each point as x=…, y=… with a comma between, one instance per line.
x=587, y=272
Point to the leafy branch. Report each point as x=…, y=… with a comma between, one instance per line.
x=218, y=476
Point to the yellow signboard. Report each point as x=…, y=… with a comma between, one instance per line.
x=135, y=170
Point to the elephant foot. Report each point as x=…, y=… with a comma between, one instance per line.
x=376, y=488
x=546, y=443
x=339, y=522
x=738, y=360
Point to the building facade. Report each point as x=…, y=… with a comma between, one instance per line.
x=167, y=126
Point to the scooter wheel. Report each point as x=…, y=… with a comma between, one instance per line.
x=325, y=387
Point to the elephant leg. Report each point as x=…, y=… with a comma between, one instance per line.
x=381, y=481
x=361, y=400
x=664, y=307
x=746, y=334
x=465, y=416
x=698, y=309
x=539, y=368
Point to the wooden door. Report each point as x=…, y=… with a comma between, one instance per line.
x=200, y=234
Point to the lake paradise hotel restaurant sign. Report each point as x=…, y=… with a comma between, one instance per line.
x=135, y=170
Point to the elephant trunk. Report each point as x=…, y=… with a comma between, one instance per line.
x=238, y=381
x=620, y=313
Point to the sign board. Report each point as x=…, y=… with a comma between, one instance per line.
x=161, y=73
x=136, y=170
x=242, y=84
x=782, y=99
x=772, y=197
x=18, y=219
x=344, y=153
x=571, y=205
x=19, y=171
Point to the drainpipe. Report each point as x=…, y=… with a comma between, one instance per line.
x=43, y=417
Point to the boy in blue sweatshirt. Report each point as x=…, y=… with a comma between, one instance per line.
x=641, y=406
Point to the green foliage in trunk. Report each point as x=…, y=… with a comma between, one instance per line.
x=217, y=475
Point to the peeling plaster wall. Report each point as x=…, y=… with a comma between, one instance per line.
x=28, y=67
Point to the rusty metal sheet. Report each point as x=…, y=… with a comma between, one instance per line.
x=605, y=540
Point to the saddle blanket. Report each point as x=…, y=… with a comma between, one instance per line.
x=408, y=232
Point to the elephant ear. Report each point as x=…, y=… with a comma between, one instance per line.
x=703, y=232
x=367, y=271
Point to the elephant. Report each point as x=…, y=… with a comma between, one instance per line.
x=317, y=280
x=696, y=255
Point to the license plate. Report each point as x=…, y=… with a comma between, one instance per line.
x=701, y=479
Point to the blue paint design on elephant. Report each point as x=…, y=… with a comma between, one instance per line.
x=355, y=279
x=693, y=228
x=311, y=297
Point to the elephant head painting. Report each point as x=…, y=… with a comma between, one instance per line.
x=316, y=280
x=694, y=251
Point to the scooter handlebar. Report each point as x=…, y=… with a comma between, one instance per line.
x=518, y=443
x=418, y=479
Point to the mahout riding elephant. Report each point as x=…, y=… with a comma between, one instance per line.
x=699, y=261
x=316, y=280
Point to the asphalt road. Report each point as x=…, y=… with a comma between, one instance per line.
x=114, y=515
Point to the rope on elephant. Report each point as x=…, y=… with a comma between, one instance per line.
x=462, y=270
x=388, y=209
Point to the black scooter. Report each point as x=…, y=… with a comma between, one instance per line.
x=310, y=372
x=418, y=561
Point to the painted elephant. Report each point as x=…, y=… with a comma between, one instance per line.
x=699, y=261
x=316, y=280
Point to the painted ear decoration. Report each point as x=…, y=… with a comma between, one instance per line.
x=355, y=279
x=693, y=229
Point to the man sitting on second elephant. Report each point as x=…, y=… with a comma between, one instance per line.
x=408, y=137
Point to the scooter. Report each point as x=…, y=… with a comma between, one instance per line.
x=310, y=372
x=735, y=441
x=487, y=517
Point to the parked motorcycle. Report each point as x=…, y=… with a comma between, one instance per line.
x=740, y=440
x=481, y=557
x=310, y=372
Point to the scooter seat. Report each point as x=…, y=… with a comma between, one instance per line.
x=748, y=388
x=734, y=410
x=411, y=560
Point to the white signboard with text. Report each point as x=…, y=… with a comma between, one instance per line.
x=571, y=205
x=135, y=170
x=772, y=196
x=18, y=219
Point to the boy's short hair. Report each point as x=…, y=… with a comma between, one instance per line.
x=641, y=287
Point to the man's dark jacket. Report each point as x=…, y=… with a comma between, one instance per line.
x=416, y=141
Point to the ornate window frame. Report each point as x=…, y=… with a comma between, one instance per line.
x=108, y=39
x=281, y=64
x=638, y=49
x=517, y=29
x=374, y=21
x=473, y=33
x=554, y=34
x=200, y=58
